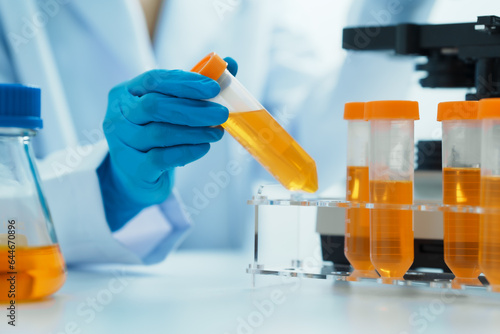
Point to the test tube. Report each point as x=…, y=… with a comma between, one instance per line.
x=391, y=182
x=461, y=185
x=357, y=221
x=489, y=226
x=258, y=132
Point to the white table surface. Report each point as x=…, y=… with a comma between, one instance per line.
x=196, y=292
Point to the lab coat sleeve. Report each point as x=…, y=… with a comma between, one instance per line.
x=72, y=191
x=6, y=72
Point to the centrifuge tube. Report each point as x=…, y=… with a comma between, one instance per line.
x=357, y=224
x=489, y=227
x=258, y=132
x=461, y=185
x=391, y=182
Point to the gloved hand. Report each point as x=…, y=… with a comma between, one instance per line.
x=154, y=123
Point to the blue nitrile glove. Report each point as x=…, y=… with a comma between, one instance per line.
x=154, y=123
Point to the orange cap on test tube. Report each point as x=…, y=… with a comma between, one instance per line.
x=391, y=109
x=354, y=110
x=211, y=66
x=489, y=108
x=457, y=110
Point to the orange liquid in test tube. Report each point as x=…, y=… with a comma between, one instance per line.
x=262, y=136
x=258, y=132
x=489, y=252
x=461, y=186
x=392, y=230
x=357, y=240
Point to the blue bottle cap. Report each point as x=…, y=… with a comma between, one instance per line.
x=20, y=106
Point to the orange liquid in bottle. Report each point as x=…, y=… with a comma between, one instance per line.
x=259, y=133
x=391, y=230
x=40, y=272
x=357, y=232
x=461, y=186
x=489, y=231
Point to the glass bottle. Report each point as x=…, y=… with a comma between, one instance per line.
x=31, y=264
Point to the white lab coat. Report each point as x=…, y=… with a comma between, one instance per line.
x=77, y=50
x=74, y=53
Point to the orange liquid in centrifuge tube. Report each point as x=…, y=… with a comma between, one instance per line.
x=357, y=236
x=40, y=271
x=461, y=186
x=489, y=231
x=261, y=135
x=391, y=230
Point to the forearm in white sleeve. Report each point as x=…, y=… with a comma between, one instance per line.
x=6, y=68
x=72, y=191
